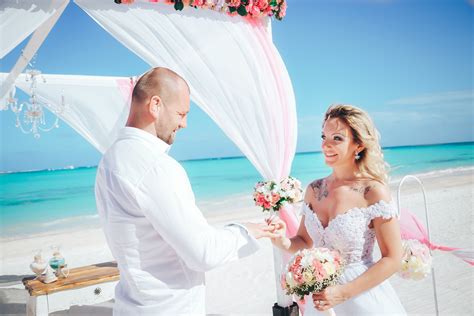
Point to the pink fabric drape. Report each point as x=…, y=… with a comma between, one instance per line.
x=126, y=88
x=412, y=228
x=287, y=214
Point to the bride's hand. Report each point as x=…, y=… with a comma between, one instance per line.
x=280, y=241
x=329, y=297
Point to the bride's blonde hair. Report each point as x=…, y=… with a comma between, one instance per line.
x=371, y=163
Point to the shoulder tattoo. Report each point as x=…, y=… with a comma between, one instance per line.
x=361, y=189
x=320, y=189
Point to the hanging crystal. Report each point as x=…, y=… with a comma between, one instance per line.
x=30, y=116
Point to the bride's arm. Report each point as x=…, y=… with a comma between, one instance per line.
x=292, y=245
x=387, y=232
x=302, y=238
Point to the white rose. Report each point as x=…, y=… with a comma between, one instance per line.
x=329, y=267
x=306, y=261
x=307, y=276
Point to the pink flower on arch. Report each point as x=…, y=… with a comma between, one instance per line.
x=199, y=3
x=261, y=4
x=282, y=12
x=234, y=3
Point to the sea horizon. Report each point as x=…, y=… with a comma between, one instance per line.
x=72, y=167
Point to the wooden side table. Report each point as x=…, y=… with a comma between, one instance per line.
x=84, y=286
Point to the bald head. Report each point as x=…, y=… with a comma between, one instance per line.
x=160, y=104
x=158, y=81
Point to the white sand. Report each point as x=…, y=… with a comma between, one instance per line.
x=247, y=287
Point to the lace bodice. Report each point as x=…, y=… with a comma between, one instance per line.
x=349, y=232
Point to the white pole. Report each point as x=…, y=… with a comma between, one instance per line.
x=427, y=227
x=279, y=262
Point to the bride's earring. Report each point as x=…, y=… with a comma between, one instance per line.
x=357, y=156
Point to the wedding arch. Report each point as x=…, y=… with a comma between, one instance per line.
x=234, y=71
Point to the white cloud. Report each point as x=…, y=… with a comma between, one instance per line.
x=436, y=98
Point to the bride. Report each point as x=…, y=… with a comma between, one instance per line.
x=347, y=211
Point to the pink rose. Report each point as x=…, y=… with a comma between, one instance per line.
x=298, y=260
x=298, y=277
x=266, y=205
x=234, y=3
x=268, y=11
x=319, y=271
x=252, y=8
x=199, y=3
x=261, y=4
x=275, y=198
x=282, y=12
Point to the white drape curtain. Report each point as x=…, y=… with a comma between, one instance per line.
x=235, y=72
x=20, y=18
x=96, y=107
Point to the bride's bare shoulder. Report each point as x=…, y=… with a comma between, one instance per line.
x=316, y=190
x=375, y=191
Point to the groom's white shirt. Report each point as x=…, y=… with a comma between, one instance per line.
x=160, y=239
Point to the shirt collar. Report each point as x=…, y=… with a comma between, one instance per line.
x=137, y=133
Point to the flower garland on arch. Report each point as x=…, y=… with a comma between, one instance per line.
x=247, y=8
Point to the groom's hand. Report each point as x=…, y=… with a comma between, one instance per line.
x=279, y=226
x=280, y=241
x=259, y=230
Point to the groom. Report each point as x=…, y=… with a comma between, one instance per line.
x=160, y=239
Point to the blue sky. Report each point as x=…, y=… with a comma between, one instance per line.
x=408, y=63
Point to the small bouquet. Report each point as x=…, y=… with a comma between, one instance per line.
x=271, y=196
x=416, y=260
x=311, y=270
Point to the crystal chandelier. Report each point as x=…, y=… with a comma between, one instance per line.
x=30, y=116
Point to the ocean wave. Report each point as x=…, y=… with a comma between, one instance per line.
x=47, y=195
x=434, y=173
x=32, y=228
x=70, y=167
x=67, y=220
x=451, y=159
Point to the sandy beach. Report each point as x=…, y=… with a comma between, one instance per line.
x=247, y=287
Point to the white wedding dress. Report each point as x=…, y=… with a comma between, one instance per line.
x=349, y=233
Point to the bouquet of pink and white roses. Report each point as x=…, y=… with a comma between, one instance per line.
x=271, y=196
x=311, y=270
x=416, y=260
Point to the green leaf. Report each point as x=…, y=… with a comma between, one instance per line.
x=232, y=9
x=242, y=11
x=178, y=5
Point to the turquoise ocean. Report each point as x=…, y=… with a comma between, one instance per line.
x=49, y=200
